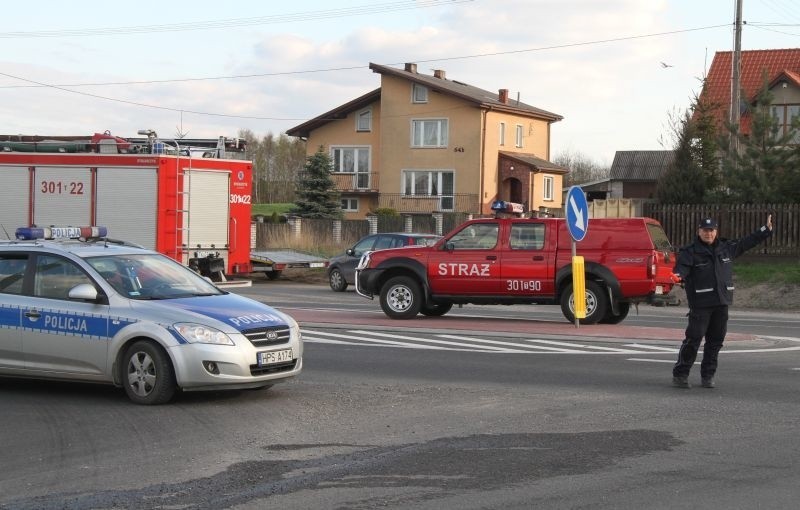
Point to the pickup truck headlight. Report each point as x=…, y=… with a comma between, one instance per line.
x=364, y=262
x=199, y=334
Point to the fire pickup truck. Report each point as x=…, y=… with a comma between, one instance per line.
x=515, y=260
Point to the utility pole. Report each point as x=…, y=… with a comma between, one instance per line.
x=736, y=69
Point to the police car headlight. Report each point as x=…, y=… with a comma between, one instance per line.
x=199, y=334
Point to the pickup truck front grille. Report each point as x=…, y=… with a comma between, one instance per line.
x=261, y=337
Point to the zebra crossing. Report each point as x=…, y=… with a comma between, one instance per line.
x=450, y=342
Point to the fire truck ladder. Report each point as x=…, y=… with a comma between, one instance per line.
x=182, y=216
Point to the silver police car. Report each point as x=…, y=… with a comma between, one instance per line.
x=93, y=310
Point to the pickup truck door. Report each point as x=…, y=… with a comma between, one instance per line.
x=527, y=261
x=468, y=263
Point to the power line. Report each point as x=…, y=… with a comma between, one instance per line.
x=360, y=10
x=480, y=55
x=331, y=69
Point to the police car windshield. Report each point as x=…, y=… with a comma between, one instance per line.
x=151, y=276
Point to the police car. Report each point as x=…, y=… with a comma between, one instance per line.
x=77, y=305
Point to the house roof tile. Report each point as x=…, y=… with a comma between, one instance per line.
x=482, y=98
x=535, y=162
x=755, y=63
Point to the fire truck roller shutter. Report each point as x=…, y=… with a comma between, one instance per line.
x=62, y=196
x=209, y=210
x=14, y=198
x=127, y=203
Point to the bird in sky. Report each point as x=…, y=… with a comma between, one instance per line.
x=665, y=65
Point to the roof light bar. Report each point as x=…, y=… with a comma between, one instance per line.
x=32, y=233
x=507, y=207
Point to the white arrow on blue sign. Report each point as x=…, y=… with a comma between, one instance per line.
x=577, y=213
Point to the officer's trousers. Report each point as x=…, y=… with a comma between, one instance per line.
x=711, y=323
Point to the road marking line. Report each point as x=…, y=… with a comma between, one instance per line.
x=653, y=347
x=497, y=342
x=459, y=344
x=657, y=360
x=365, y=341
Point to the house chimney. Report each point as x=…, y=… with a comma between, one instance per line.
x=438, y=73
x=411, y=68
x=503, y=96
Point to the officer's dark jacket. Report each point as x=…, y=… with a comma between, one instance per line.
x=707, y=270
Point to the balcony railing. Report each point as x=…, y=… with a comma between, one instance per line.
x=365, y=182
x=459, y=202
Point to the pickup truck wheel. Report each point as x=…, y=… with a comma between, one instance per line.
x=596, y=303
x=610, y=318
x=401, y=298
x=272, y=275
x=436, y=309
x=337, y=281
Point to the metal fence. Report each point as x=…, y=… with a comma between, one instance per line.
x=735, y=220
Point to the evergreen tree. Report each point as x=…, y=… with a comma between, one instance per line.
x=683, y=182
x=315, y=195
x=765, y=168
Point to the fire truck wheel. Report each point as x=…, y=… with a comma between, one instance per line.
x=272, y=275
x=337, y=281
x=401, y=298
x=147, y=374
x=610, y=318
x=436, y=309
x=596, y=303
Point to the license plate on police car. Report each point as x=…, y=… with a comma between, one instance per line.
x=316, y=264
x=273, y=357
x=659, y=289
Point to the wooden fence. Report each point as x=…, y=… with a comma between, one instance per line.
x=735, y=220
x=679, y=221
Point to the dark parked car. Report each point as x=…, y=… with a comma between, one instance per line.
x=341, y=268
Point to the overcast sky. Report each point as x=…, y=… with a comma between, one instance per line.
x=614, y=69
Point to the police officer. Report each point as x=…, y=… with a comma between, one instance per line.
x=706, y=269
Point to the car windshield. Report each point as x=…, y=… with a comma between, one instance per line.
x=151, y=276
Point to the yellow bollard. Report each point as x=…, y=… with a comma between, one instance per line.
x=578, y=288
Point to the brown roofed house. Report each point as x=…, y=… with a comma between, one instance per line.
x=424, y=143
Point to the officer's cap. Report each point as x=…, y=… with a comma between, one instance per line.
x=708, y=223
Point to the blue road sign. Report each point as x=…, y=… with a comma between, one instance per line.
x=577, y=213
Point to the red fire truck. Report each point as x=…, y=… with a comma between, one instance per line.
x=176, y=197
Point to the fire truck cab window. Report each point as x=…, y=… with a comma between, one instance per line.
x=478, y=236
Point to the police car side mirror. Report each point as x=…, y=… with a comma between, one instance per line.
x=449, y=246
x=351, y=252
x=83, y=292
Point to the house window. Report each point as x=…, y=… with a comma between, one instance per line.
x=419, y=93
x=547, y=192
x=350, y=204
x=352, y=160
x=519, y=136
x=430, y=183
x=364, y=120
x=785, y=115
x=429, y=133
x=502, y=133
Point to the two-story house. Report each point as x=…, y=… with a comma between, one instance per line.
x=424, y=143
x=781, y=68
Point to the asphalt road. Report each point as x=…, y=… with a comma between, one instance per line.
x=402, y=415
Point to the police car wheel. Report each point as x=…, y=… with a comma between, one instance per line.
x=610, y=318
x=401, y=298
x=436, y=309
x=337, y=281
x=147, y=374
x=596, y=303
